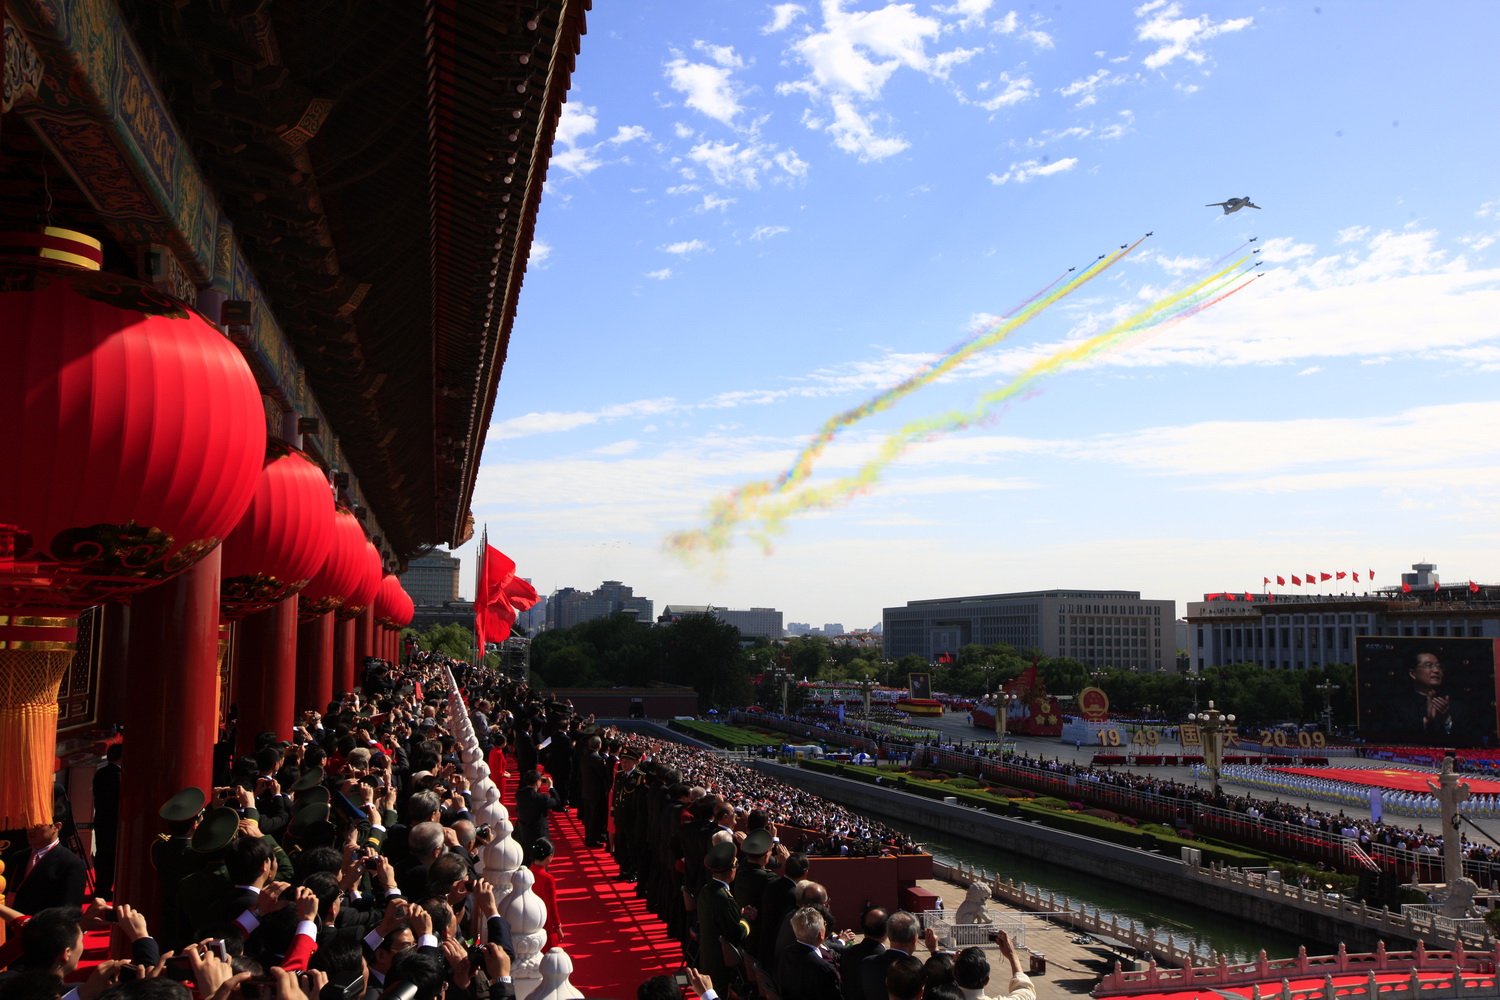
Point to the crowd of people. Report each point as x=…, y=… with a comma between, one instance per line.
x=347, y=863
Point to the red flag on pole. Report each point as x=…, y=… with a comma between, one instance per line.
x=1266, y=581
x=1356, y=576
x=1214, y=597
x=1325, y=576
x=1232, y=597
x=1312, y=578
x=498, y=613
x=1370, y=575
x=1249, y=598
x=1473, y=587
x=1340, y=575
x=481, y=596
x=1405, y=588
x=1280, y=582
x=1435, y=586
x=1296, y=581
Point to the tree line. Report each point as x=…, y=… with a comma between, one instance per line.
x=705, y=654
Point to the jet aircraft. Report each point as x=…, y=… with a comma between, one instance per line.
x=1233, y=204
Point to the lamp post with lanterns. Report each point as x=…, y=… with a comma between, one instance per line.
x=1327, y=689
x=1003, y=700
x=1215, y=726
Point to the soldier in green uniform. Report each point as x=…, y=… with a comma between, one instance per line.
x=753, y=878
x=720, y=918
x=173, y=858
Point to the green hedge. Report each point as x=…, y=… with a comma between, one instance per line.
x=722, y=735
x=1053, y=818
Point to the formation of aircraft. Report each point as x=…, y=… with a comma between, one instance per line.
x=1233, y=204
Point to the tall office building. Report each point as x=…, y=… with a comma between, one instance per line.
x=1102, y=628
x=432, y=580
x=754, y=623
x=568, y=606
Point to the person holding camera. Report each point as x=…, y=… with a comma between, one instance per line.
x=535, y=799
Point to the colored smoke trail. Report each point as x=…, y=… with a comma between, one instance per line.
x=769, y=513
x=736, y=505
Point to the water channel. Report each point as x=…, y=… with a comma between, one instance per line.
x=1207, y=929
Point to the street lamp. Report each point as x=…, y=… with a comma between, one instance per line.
x=1003, y=700
x=1327, y=690
x=868, y=683
x=1214, y=725
x=1193, y=680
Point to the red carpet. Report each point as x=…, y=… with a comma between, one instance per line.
x=1398, y=779
x=615, y=941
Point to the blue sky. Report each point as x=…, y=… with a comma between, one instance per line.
x=757, y=215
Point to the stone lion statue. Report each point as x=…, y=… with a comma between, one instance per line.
x=971, y=910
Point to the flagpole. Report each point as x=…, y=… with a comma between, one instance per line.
x=484, y=544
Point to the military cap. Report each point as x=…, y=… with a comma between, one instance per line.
x=312, y=796
x=304, y=819
x=312, y=776
x=183, y=806
x=757, y=842
x=216, y=831
x=720, y=857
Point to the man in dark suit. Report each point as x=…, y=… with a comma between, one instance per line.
x=872, y=922
x=901, y=932
x=47, y=874
x=776, y=902
x=106, y=820
x=804, y=973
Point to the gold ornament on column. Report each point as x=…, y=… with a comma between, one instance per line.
x=35, y=653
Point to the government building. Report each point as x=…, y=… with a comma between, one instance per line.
x=1109, y=629
x=1301, y=632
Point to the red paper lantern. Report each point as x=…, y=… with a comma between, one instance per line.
x=342, y=571
x=407, y=611
x=282, y=540
x=136, y=429
x=362, y=595
x=386, y=602
x=137, y=435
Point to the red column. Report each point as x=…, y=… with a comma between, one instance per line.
x=315, y=663
x=266, y=675
x=343, y=655
x=114, y=677
x=171, y=724
x=365, y=633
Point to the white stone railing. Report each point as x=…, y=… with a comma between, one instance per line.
x=1431, y=974
x=1062, y=910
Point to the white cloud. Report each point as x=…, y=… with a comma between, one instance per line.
x=628, y=133
x=712, y=201
x=1311, y=370
x=1010, y=24
x=1023, y=172
x=766, y=232
x=724, y=55
x=782, y=16
x=853, y=133
x=685, y=248
x=1176, y=36
x=1181, y=265
x=970, y=13
x=851, y=56
x=661, y=275
x=540, y=251
x=1088, y=88
x=553, y=422
x=1353, y=234
x=1013, y=91
x=683, y=131
x=1489, y=210
x=744, y=163
x=709, y=88
x=576, y=122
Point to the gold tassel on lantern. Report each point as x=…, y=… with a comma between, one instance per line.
x=35, y=653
